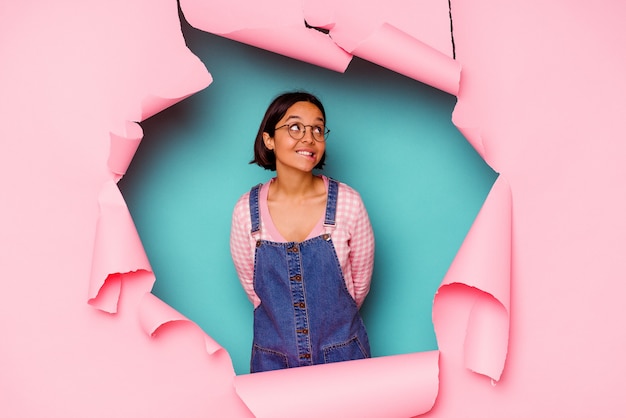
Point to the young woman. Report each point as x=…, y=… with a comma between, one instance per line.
x=302, y=245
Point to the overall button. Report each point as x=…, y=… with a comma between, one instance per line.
x=307, y=355
x=293, y=249
x=299, y=305
x=326, y=237
x=303, y=331
x=258, y=244
x=297, y=278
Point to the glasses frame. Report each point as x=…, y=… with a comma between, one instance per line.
x=289, y=125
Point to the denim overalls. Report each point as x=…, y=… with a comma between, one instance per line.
x=306, y=315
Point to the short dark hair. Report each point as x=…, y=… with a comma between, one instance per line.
x=274, y=113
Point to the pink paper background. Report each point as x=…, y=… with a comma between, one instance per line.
x=528, y=318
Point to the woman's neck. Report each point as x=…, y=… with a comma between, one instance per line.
x=295, y=186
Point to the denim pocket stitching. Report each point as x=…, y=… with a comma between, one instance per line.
x=282, y=356
x=326, y=349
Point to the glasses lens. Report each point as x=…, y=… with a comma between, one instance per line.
x=298, y=130
x=318, y=132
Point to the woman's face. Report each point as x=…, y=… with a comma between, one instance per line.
x=297, y=154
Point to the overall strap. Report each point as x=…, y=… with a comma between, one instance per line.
x=255, y=214
x=331, y=203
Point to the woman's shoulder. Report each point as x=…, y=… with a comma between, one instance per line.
x=345, y=190
x=349, y=202
x=242, y=206
x=241, y=210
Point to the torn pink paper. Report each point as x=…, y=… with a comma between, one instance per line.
x=481, y=271
x=165, y=325
x=403, y=385
x=352, y=21
x=276, y=26
x=410, y=57
x=74, y=78
x=468, y=127
x=419, y=32
x=154, y=313
x=123, y=148
x=471, y=133
x=117, y=248
x=408, y=37
x=185, y=72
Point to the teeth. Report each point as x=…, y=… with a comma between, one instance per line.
x=305, y=153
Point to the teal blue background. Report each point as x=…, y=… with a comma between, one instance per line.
x=392, y=139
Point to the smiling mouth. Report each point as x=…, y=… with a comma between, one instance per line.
x=305, y=153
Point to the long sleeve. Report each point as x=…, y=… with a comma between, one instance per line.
x=354, y=243
x=242, y=247
x=362, y=255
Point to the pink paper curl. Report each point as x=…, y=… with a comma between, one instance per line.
x=480, y=273
x=117, y=249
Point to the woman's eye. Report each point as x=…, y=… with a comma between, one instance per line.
x=295, y=127
x=318, y=130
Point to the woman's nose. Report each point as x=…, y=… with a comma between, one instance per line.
x=308, y=135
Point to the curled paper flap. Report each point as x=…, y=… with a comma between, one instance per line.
x=159, y=320
x=486, y=341
x=408, y=384
x=472, y=134
x=484, y=259
x=481, y=271
x=123, y=148
x=108, y=294
x=410, y=38
x=117, y=249
x=307, y=45
x=277, y=26
x=352, y=21
x=368, y=38
x=411, y=57
x=154, y=313
x=190, y=79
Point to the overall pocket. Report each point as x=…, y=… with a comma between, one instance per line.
x=348, y=350
x=265, y=359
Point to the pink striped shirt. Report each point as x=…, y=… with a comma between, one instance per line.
x=352, y=237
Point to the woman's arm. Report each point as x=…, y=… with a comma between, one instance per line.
x=361, y=252
x=241, y=249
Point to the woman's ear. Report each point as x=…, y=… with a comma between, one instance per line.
x=268, y=141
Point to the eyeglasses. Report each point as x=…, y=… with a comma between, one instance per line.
x=297, y=131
